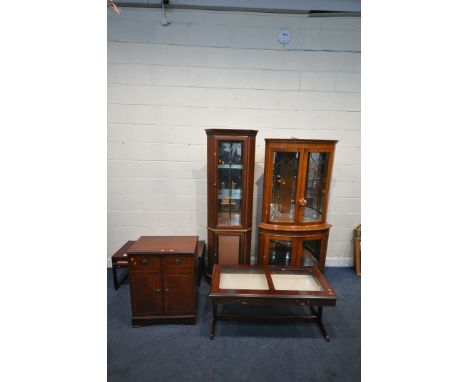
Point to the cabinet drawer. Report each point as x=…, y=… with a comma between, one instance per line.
x=142, y=262
x=177, y=261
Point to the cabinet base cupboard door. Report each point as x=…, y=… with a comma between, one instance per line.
x=293, y=248
x=230, y=166
x=146, y=288
x=163, y=282
x=178, y=294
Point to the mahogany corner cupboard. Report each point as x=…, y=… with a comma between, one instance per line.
x=230, y=165
x=163, y=279
x=296, y=187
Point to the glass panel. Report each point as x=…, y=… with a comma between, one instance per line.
x=310, y=253
x=316, y=181
x=295, y=281
x=243, y=279
x=280, y=252
x=283, y=192
x=229, y=183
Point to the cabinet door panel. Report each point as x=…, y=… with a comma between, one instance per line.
x=230, y=174
x=283, y=187
x=313, y=251
x=314, y=187
x=228, y=249
x=281, y=251
x=310, y=255
x=179, y=294
x=146, y=293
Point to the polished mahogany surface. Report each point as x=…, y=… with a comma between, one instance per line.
x=323, y=294
x=230, y=184
x=164, y=244
x=296, y=187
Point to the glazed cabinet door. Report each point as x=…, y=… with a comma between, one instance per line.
x=230, y=181
x=313, y=198
x=146, y=293
x=312, y=251
x=282, y=183
x=280, y=250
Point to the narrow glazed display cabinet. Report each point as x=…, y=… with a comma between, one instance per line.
x=231, y=158
x=296, y=187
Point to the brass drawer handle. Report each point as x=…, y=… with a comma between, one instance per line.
x=167, y=289
x=158, y=290
x=177, y=261
x=302, y=303
x=241, y=302
x=144, y=261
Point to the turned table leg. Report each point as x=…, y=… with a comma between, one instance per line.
x=213, y=321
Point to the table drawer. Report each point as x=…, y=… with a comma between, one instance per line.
x=177, y=261
x=142, y=262
x=271, y=301
x=303, y=302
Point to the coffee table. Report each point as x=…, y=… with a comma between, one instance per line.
x=276, y=285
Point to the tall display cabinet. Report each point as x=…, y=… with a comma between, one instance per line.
x=296, y=188
x=231, y=159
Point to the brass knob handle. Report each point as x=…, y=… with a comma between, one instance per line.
x=144, y=261
x=302, y=201
x=301, y=303
x=158, y=290
x=167, y=289
x=177, y=261
x=214, y=254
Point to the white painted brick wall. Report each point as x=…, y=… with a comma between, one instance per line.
x=224, y=70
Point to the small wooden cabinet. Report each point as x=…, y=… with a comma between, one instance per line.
x=163, y=279
x=230, y=165
x=296, y=187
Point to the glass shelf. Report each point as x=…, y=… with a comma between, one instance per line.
x=231, y=166
x=230, y=194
